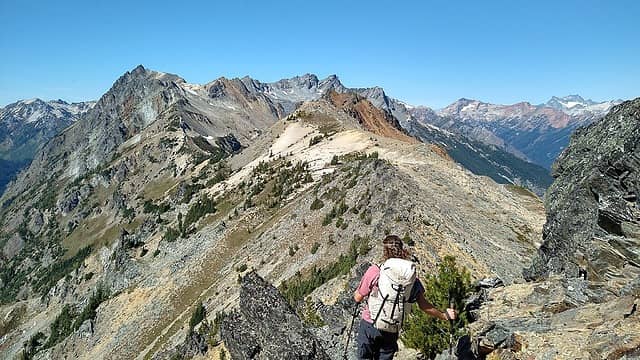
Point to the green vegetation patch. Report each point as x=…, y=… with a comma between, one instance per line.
x=274, y=181
x=189, y=191
x=199, y=313
x=61, y=327
x=171, y=235
x=48, y=277
x=317, y=204
x=150, y=207
x=205, y=205
x=89, y=311
x=69, y=321
x=220, y=172
x=315, y=247
x=299, y=286
x=336, y=212
x=310, y=316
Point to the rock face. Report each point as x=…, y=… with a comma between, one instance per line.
x=266, y=327
x=593, y=213
x=370, y=117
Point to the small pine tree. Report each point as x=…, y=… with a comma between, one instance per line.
x=430, y=335
x=316, y=204
x=407, y=239
x=198, y=315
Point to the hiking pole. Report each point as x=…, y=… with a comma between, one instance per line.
x=451, y=330
x=353, y=318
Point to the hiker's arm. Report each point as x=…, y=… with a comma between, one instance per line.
x=364, y=287
x=430, y=309
x=357, y=297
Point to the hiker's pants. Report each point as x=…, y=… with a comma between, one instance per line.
x=375, y=344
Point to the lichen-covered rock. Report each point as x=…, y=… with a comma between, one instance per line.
x=266, y=327
x=593, y=213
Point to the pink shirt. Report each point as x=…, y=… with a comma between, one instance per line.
x=369, y=284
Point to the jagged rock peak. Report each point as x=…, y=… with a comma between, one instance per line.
x=373, y=92
x=306, y=79
x=266, y=327
x=142, y=73
x=138, y=69
x=138, y=82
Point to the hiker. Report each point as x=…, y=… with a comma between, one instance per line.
x=391, y=288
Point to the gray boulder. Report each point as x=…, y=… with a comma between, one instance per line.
x=13, y=246
x=266, y=327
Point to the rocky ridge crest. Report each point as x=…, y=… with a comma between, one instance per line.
x=593, y=216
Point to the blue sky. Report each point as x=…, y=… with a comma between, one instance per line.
x=423, y=52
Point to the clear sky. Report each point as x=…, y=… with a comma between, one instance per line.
x=422, y=52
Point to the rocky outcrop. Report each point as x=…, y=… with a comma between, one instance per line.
x=593, y=211
x=193, y=345
x=266, y=327
x=370, y=117
x=557, y=318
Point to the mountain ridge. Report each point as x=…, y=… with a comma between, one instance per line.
x=282, y=97
x=537, y=133
x=141, y=197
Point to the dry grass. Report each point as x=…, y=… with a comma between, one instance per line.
x=519, y=190
x=88, y=232
x=157, y=189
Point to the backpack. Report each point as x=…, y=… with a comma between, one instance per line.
x=390, y=306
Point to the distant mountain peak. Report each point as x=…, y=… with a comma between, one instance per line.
x=577, y=105
x=30, y=101
x=139, y=68
x=572, y=100
x=466, y=101
x=574, y=97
